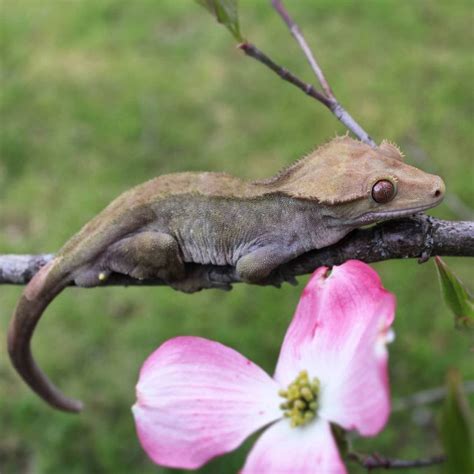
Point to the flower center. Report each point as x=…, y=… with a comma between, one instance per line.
x=301, y=400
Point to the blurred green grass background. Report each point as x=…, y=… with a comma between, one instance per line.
x=99, y=96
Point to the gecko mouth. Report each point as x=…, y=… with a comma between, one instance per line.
x=374, y=216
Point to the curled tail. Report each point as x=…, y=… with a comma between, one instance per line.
x=39, y=292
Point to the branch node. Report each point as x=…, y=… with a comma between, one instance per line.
x=428, y=242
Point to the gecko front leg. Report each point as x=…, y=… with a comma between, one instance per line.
x=257, y=265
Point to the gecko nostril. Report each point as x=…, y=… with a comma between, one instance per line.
x=438, y=189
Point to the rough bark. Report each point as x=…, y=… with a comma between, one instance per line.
x=420, y=236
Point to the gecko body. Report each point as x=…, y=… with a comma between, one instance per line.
x=154, y=229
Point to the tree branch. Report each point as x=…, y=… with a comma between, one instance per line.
x=376, y=461
x=416, y=237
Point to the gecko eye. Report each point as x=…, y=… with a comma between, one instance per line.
x=383, y=191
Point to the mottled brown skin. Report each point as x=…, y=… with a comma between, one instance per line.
x=151, y=230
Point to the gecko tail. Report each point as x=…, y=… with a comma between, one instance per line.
x=39, y=292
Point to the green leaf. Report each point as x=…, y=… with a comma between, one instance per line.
x=456, y=296
x=457, y=428
x=226, y=13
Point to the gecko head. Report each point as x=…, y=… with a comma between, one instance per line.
x=390, y=188
x=360, y=185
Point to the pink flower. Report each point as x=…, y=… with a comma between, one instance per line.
x=198, y=399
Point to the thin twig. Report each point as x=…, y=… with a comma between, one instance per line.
x=376, y=461
x=251, y=50
x=298, y=35
x=334, y=105
x=426, y=397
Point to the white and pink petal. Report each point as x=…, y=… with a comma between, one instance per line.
x=303, y=450
x=197, y=399
x=337, y=335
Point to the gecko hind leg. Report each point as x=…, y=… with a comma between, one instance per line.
x=146, y=255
